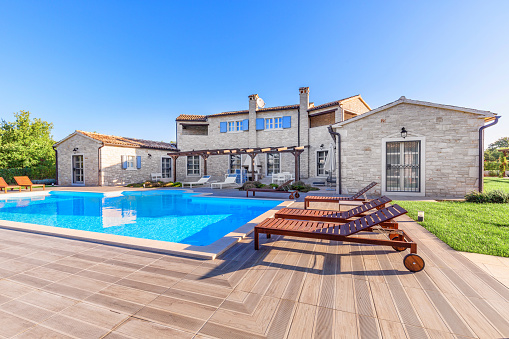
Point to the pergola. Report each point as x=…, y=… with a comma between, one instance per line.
x=252, y=152
x=504, y=150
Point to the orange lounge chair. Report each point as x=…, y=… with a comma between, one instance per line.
x=4, y=186
x=333, y=216
x=355, y=197
x=398, y=239
x=27, y=183
x=283, y=188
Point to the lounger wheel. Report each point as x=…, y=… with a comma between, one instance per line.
x=413, y=262
x=297, y=194
x=291, y=196
x=395, y=236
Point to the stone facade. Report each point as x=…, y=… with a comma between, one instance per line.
x=103, y=163
x=449, y=148
x=300, y=133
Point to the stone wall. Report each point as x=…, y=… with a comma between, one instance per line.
x=88, y=148
x=111, y=162
x=451, y=148
x=355, y=105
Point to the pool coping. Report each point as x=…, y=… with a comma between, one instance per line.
x=201, y=252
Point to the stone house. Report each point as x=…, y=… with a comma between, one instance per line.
x=93, y=159
x=412, y=148
x=302, y=124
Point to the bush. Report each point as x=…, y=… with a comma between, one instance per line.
x=251, y=184
x=491, y=165
x=495, y=196
x=34, y=173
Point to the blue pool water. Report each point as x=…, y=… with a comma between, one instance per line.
x=173, y=216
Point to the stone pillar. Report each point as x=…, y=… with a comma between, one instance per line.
x=252, y=120
x=304, y=131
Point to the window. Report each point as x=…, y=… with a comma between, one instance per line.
x=273, y=163
x=166, y=167
x=131, y=160
x=403, y=166
x=234, y=126
x=235, y=162
x=320, y=163
x=274, y=123
x=193, y=165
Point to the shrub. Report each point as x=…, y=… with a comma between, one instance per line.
x=495, y=196
x=34, y=173
x=503, y=166
x=247, y=186
x=491, y=165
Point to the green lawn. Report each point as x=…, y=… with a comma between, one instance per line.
x=469, y=227
x=492, y=183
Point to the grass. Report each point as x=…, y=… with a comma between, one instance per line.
x=468, y=227
x=491, y=183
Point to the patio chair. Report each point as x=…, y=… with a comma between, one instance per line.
x=229, y=181
x=156, y=176
x=398, y=239
x=355, y=197
x=278, y=178
x=5, y=186
x=333, y=216
x=24, y=181
x=203, y=180
x=283, y=188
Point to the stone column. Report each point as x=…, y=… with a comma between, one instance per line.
x=252, y=120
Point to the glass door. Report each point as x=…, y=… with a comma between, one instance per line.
x=77, y=170
x=403, y=161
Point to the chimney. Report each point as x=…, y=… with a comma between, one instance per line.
x=253, y=106
x=304, y=129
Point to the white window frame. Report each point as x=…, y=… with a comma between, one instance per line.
x=199, y=166
x=317, y=163
x=72, y=170
x=267, y=164
x=270, y=123
x=134, y=166
x=236, y=126
x=171, y=168
x=422, y=173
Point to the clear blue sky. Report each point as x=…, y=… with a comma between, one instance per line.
x=130, y=67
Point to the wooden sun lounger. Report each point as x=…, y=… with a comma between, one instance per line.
x=27, y=183
x=355, y=197
x=280, y=189
x=333, y=216
x=398, y=239
x=5, y=186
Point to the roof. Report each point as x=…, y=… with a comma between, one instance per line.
x=404, y=100
x=112, y=140
x=190, y=117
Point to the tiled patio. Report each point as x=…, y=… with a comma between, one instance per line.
x=292, y=288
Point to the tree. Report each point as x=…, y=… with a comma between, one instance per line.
x=491, y=153
x=26, y=142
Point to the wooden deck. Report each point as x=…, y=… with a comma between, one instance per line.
x=290, y=288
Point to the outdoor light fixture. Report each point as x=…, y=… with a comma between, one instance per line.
x=403, y=132
x=321, y=146
x=150, y=155
x=420, y=216
x=75, y=149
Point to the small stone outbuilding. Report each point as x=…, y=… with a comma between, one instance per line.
x=412, y=148
x=93, y=159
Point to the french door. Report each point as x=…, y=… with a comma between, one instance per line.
x=77, y=170
x=403, y=161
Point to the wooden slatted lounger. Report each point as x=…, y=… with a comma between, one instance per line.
x=333, y=216
x=398, y=239
x=280, y=189
x=5, y=186
x=27, y=183
x=355, y=197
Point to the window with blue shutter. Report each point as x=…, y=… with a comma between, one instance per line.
x=124, y=162
x=287, y=121
x=260, y=124
x=138, y=162
x=222, y=127
x=245, y=125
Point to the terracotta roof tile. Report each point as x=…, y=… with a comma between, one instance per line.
x=332, y=103
x=112, y=140
x=191, y=117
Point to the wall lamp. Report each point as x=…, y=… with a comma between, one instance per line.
x=75, y=150
x=403, y=132
x=150, y=155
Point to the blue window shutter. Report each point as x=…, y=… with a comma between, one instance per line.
x=138, y=162
x=245, y=125
x=260, y=124
x=124, y=162
x=222, y=127
x=287, y=121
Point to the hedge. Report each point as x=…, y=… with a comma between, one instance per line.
x=34, y=173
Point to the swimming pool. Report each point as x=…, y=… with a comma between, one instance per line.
x=164, y=215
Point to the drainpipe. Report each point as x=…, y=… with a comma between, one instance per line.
x=56, y=163
x=99, y=165
x=481, y=151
